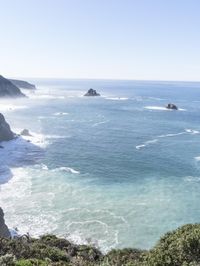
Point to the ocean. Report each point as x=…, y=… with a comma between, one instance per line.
x=115, y=171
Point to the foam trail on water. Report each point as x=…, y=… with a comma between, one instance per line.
x=100, y=123
x=146, y=143
x=187, y=131
x=66, y=169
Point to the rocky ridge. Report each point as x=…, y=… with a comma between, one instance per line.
x=8, y=89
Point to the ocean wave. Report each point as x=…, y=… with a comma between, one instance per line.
x=37, y=139
x=148, y=142
x=66, y=169
x=104, y=236
x=161, y=108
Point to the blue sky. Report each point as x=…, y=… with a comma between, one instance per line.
x=117, y=39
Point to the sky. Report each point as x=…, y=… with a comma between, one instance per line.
x=109, y=39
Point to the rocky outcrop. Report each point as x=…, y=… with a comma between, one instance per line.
x=172, y=106
x=4, y=232
x=23, y=84
x=92, y=92
x=25, y=132
x=8, y=89
x=5, y=131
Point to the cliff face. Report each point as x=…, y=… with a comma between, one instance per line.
x=8, y=89
x=5, y=131
x=23, y=84
x=4, y=232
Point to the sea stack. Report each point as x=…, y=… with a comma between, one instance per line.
x=4, y=232
x=5, y=132
x=92, y=92
x=8, y=89
x=172, y=106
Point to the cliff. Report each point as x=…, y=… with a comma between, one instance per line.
x=23, y=84
x=4, y=232
x=5, y=131
x=8, y=89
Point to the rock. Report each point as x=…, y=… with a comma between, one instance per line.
x=5, y=131
x=172, y=106
x=4, y=232
x=25, y=132
x=92, y=92
x=8, y=89
x=23, y=84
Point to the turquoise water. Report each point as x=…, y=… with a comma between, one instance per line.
x=118, y=170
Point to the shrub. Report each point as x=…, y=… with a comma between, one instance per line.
x=177, y=248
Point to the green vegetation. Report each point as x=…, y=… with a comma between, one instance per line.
x=177, y=248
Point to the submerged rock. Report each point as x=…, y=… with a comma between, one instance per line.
x=25, y=132
x=92, y=92
x=5, y=131
x=172, y=106
x=23, y=84
x=4, y=232
x=8, y=89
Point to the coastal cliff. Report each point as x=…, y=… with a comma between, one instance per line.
x=23, y=84
x=8, y=89
x=4, y=232
x=6, y=133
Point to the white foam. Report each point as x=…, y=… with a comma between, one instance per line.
x=146, y=143
x=171, y=135
x=37, y=139
x=197, y=158
x=11, y=107
x=45, y=96
x=187, y=131
x=66, y=169
x=161, y=108
x=100, y=123
x=117, y=98
x=192, y=131
x=60, y=113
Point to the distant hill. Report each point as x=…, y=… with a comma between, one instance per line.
x=8, y=89
x=23, y=84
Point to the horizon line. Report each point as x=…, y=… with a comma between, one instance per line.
x=109, y=79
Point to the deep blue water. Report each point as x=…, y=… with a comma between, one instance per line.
x=117, y=170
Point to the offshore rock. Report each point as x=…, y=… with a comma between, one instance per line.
x=25, y=132
x=172, y=106
x=92, y=92
x=4, y=232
